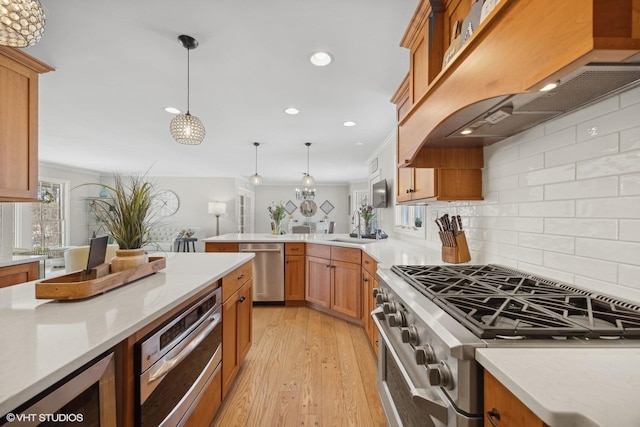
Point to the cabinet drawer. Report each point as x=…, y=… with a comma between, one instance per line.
x=319, y=251
x=369, y=264
x=345, y=254
x=294, y=248
x=221, y=247
x=232, y=281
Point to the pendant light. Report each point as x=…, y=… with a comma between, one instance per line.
x=308, y=180
x=185, y=128
x=21, y=22
x=256, y=179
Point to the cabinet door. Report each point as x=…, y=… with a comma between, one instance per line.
x=366, y=301
x=346, y=289
x=373, y=331
x=318, y=281
x=230, y=361
x=294, y=278
x=221, y=247
x=500, y=402
x=405, y=184
x=245, y=322
x=424, y=183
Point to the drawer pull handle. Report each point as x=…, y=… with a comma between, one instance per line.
x=493, y=413
x=240, y=277
x=242, y=298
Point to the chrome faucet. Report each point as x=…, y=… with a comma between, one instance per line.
x=357, y=230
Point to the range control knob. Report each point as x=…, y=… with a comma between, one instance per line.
x=397, y=319
x=381, y=297
x=410, y=335
x=424, y=355
x=439, y=374
x=375, y=292
x=389, y=307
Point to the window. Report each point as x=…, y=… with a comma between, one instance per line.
x=43, y=224
x=406, y=215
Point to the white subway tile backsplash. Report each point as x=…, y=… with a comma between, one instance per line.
x=588, y=188
x=526, y=194
x=613, y=207
x=630, y=185
x=530, y=163
x=571, y=119
x=546, y=242
x=503, y=183
x=596, y=228
x=629, y=275
x=519, y=253
x=500, y=210
x=496, y=154
x=601, y=270
x=549, y=175
x=551, y=141
x=612, y=122
x=546, y=273
x=610, y=250
x=630, y=139
x=548, y=209
x=533, y=225
x=630, y=230
x=501, y=236
x=627, y=162
x=630, y=97
x=604, y=288
x=589, y=149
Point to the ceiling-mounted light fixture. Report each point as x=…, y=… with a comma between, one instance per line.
x=308, y=180
x=256, y=179
x=21, y=22
x=185, y=128
x=321, y=59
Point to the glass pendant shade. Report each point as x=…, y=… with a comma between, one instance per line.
x=308, y=181
x=21, y=22
x=255, y=180
x=187, y=129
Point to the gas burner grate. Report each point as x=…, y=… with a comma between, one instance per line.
x=494, y=301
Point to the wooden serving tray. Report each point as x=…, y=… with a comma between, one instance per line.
x=80, y=285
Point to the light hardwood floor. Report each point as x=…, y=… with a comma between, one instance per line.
x=305, y=368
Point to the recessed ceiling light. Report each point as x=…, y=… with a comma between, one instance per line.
x=349, y=123
x=292, y=111
x=359, y=144
x=320, y=59
x=549, y=87
x=466, y=131
x=172, y=110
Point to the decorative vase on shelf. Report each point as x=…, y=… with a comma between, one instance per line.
x=128, y=258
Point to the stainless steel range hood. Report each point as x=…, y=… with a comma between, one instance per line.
x=512, y=114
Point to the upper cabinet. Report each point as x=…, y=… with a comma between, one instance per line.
x=472, y=83
x=19, y=125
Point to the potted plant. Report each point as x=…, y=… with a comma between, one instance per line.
x=418, y=222
x=277, y=213
x=128, y=216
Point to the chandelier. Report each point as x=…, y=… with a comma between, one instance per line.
x=305, y=193
x=21, y=22
x=185, y=128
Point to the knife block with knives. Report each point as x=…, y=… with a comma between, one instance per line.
x=454, y=243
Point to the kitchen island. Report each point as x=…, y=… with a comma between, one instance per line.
x=44, y=340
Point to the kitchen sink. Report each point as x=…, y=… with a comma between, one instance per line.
x=354, y=240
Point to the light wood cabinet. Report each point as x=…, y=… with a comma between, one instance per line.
x=237, y=327
x=221, y=247
x=438, y=184
x=19, y=273
x=504, y=409
x=19, y=124
x=369, y=283
x=294, y=276
x=333, y=279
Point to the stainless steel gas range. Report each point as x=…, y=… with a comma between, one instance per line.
x=431, y=318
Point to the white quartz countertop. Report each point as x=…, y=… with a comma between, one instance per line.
x=19, y=259
x=44, y=340
x=386, y=252
x=571, y=387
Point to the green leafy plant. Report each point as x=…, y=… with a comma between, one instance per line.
x=367, y=212
x=130, y=215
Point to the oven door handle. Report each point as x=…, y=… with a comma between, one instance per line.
x=170, y=364
x=419, y=396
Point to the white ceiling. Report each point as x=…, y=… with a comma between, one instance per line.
x=119, y=63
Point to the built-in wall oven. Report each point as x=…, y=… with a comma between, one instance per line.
x=176, y=363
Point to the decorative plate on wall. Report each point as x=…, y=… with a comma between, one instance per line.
x=326, y=207
x=290, y=207
x=308, y=208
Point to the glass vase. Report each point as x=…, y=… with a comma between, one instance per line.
x=277, y=229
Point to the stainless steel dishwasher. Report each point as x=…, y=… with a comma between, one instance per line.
x=268, y=271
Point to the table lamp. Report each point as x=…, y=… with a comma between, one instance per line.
x=217, y=208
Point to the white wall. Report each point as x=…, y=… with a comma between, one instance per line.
x=337, y=195
x=562, y=200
